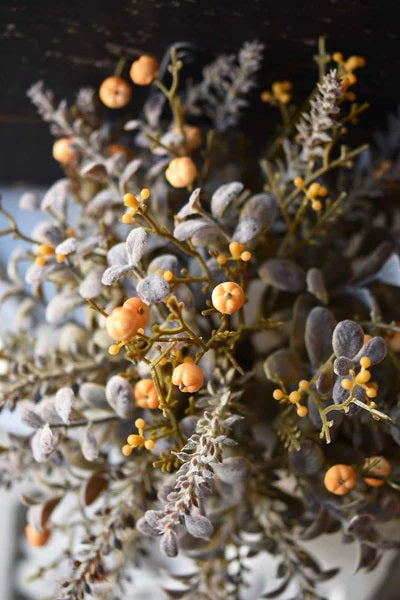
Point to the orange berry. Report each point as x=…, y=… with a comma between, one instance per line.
x=64, y=152
x=347, y=384
x=140, y=309
x=316, y=205
x=36, y=538
x=149, y=444
x=135, y=440
x=122, y=324
x=340, y=479
x=140, y=423
x=116, y=148
x=222, y=259
x=131, y=201
x=363, y=376
x=371, y=392
x=126, y=450
x=113, y=349
x=193, y=137
x=127, y=218
x=376, y=465
x=60, y=258
x=168, y=275
x=181, y=172
x=365, y=362
x=228, y=297
x=266, y=96
x=46, y=249
x=298, y=182
x=304, y=385
x=40, y=261
x=145, y=194
x=144, y=70
x=302, y=411
x=145, y=393
x=313, y=190
x=294, y=397
x=115, y=92
x=188, y=376
x=246, y=256
x=235, y=249
x=337, y=57
x=277, y=394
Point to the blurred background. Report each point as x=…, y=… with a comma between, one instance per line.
x=73, y=44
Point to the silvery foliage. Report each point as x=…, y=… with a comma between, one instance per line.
x=221, y=95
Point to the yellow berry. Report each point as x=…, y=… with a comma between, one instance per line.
x=140, y=331
x=140, y=423
x=347, y=384
x=363, y=377
x=181, y=172
x=323, y=191
x=277, y=394
x=60, y=258
x=316, y=205
x=135, y=440
x=113, y=349
x=64, y=152
x=46, y=249
x=304, y=385
x=266, y=96
x=222, y=259
x=149, y=444
x=337, y=57
x=235, y=249
x=127, y=450
x=40, y=261
x=302, y=411
x=168, y=275
x=245, y=256
x=298, y=182
x=371, y=392
x=294, y=397
x=131, y=201
x=365, y=362
x=70, y=232
x=313, y=190
x=127, y=218
x=145, y=194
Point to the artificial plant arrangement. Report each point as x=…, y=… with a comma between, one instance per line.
x=206, y=347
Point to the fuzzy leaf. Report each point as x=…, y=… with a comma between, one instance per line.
x=347, y=338
x=153, y=288
x=262, y=207
x=63, y=404
x=95, y=170
x=284, y=365
x=29, y=201
x=57, y=196
x=283, y=274
x=165, y=262
x=169, y=544
x=61, y=305
x=316, y=285
x=199, y=526
x=233, y=470
x=119, y=395
x=223, y=196
x=129, y=171
x=48, y=441
x=144, y=528
x=39, y=515
x=318, y=335
x=247, y=230
x=136, y=244
x=93, y=394
x=89, y=445
x=375, y=349
x=92, y=488
x=91, y=286
x=192, y=206
x=67, y=246
x=390, y=271
x=308, y=459
x=114, y=273
x=187, y=229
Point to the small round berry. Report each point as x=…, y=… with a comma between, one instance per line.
x=266, y=96
x=36, y=538
x=149, y=444
x=313, y=190
x=376, y=465
x=140, y=423
x=122, y=324
x=145, y=393
x=294, y=397
x=323, y=191
x=235, y=249
x=168, y=275
x=222, y=259
x=126, y=450
x=277, y=394
x=365, y=362
x=116, y=148
x=113, y=349
x=316, y=205
x=337, y=57
x=40, y=261
x=245, y=256
x=340, y=479
x=115, y=92
x=188, y=376
x=371, y=392
x=298, y=182
x=363, y=377
x=304, y=385
x=60, y=258
x=181, y=172
x=127, y=218
x=140, y=309
x=228, y=297
x=131, y=201
x=145, y=194
x=346, y=384
x=46, y=249
x=193, y=137
x=135, y=440
x=144, y=70
x=302, y=411
x=64, y=152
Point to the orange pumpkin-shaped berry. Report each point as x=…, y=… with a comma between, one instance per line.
x=188, y=376
x=379, y=466
x=64, y=152
x=36, y=538
x=228, y=297
x=181, y=172
x=340, y=479
x=193, y=137
x=122, y=324
x=115, y=92
x=146, y=394
x=144, y=70
x=140, y=308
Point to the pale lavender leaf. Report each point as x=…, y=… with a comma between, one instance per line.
x=136, y=244
x=29, y=201
x=192, y=206
x=153, y=288
x=223, y=196
x=247, y=230
x=113, y=274
x=199, y=526
x=91, y=286
x=89, y=445
x=61, y=305
x=283, y=274
x=63, y=403
x=67, y=246
x=187, y=229
x=119, y=395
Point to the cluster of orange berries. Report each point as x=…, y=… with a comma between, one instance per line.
x=362, y=379
x=125, y=321
x=346, y=69
x=313, y=192
x=280, y=93
x=132, y=203
x=341, y=479
x=294, y=397
x=237, y=252
x=137, y=440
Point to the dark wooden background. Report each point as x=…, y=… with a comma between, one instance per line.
x=71, y=44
